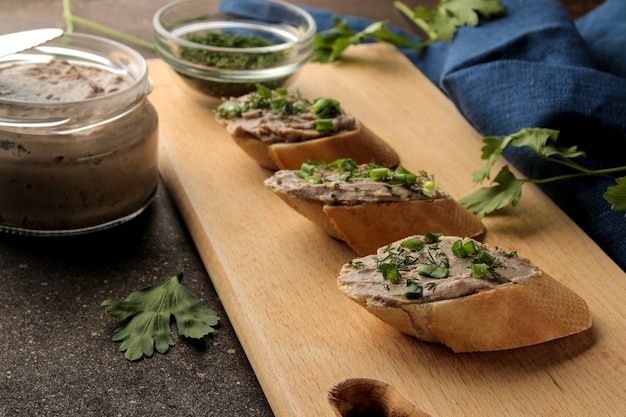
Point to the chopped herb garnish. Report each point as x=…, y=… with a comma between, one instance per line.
x=400, y=177
x=229, y=60
x=431, y=237
x=414, y=291
x=380, y=174
x=479, y=271
x=433, y=271
x=413, y=244
x=324, y=124
x=283, y=103
x=483, y=264
x=463, y=249
x=326, y=108
x=390, y=271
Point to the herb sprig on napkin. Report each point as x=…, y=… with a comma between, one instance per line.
x=506, y=189
x=439, y=23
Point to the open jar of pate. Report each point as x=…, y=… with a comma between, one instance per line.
x=78, y=137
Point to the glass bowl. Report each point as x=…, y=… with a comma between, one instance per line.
x=223, y=48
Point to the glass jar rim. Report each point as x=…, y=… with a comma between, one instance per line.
x=83, y=49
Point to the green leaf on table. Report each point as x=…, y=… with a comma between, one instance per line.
x=616, y=194
x=485, y=200
x=145, y=317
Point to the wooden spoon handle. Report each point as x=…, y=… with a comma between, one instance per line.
x=362, y=397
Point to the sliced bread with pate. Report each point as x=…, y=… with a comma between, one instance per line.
x=281, y=130
x=464, y=294
x=368, y=205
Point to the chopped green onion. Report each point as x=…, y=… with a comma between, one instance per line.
x=326, y=108
x=380, y=174
x=432, y=237
x=307, y=168
x=231, y=107
x=413, y=244
x=324, y=124
x=429, y=188
x=486, y=258
x=414, y=291
x=433, y=271
x=479, y=271
x=463, y=249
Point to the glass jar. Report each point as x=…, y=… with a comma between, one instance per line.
x=78, y=137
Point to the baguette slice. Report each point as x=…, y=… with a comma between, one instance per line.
x=376, y=215
x=360, y=144
x=522, y=306
x=286, y=141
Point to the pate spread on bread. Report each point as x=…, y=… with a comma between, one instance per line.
x=462, y=293
x=368, y=205
x=280, y=130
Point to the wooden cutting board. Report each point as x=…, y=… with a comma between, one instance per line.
x=275, y=272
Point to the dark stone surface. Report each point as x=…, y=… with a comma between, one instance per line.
x=56, y=353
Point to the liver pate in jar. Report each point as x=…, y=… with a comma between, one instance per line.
x=78, y=137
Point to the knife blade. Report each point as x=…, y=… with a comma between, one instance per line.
x=20, y=41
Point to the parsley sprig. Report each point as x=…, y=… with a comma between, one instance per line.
x=145, y=318
x=439, y=23
x=331, y=43
x=506, y=188
x=442, y=22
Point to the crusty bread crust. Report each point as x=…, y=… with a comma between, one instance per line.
x=512, y=315
x=361, y=145
x=366, y=227
x=254, y=148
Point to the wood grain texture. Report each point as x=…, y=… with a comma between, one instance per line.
x=276, y=272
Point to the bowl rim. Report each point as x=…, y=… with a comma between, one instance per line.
x=307, y=35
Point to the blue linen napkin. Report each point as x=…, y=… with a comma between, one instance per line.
x=535, y=67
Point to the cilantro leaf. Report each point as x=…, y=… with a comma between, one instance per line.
x=537, y=140
x=145, y=318
x=616, y=194
x=330, y=44
x=489, y=199
x=491, y=151
x=442, y=22
x=508, y=188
